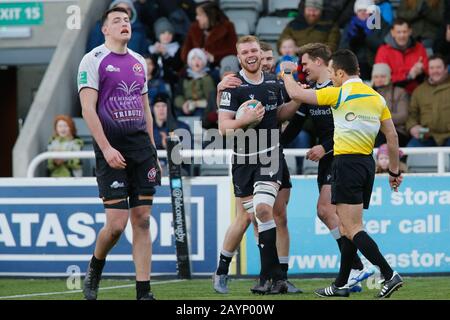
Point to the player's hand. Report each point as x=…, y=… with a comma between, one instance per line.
x=114, y=158
x=415, y=131
x=253, y=114
x=315, y=153
x=230, y=81
x=395, y=182
x=288, y=65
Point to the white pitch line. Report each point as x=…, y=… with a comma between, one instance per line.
x=79, y=291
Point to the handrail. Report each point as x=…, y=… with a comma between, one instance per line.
x=206, y=153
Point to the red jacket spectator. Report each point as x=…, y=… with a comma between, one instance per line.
x=408, y=63
x=212, y=32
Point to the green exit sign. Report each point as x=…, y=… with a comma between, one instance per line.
x=21, y=13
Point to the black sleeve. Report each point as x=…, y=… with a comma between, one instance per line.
x=284, y=94
x=294, y=127
x=327, y=144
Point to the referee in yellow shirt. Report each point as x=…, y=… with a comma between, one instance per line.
x=359, y=113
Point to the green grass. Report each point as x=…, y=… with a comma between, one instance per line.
x=432, y=288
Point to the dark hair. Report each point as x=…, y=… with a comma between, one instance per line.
x=400, y=22
x=156, y=68
x=115, y=9
x=213, y=12
x=345, y=60
x=265, y=46
x=316, y=50
x=437, y=56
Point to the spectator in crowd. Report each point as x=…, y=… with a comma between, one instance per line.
x=309, y=27
x=138, y=43
x=288, y=52
x=425, y=18
x=155, y=83
x=360, y=36
x=64, y=139
x=442, y=44
x=337, y=11
x=228, y=66
x=386, y=11
x=382, y=164
x=397, y=101
x=406, y=57
x=213, y=32
x=429, y=112
x=196, y=86
x=167, y=51
x=161, y=108
x=179, y=12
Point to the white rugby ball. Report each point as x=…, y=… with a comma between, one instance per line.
x=240, y=112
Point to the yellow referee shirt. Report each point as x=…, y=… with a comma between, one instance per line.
x=357, y=112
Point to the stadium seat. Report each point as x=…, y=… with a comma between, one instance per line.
x=270, y=28
x=241, y=26
x=83, y=130
x=275, y=5
x=251, y=16
x=256, y=5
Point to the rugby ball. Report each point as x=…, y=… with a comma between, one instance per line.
x=241, y=109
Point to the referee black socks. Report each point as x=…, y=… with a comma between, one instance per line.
x=370, y=250
x=348, y=251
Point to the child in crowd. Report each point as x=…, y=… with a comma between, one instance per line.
x=288, y=52
x=383, y=160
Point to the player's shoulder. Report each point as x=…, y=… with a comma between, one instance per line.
x=96, y=55
x=136, y=55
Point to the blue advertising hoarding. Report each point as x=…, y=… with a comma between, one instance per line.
x=411, y=227
x=47, y=227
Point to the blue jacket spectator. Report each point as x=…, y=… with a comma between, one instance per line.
x=386, y=10
x=138, y=41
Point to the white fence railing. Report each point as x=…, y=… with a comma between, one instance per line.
x=225, y=153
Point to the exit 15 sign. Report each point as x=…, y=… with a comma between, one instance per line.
x=21, y=13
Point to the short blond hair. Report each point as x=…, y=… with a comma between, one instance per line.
x=247, y=39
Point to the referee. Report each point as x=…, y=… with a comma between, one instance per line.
x=359, y=113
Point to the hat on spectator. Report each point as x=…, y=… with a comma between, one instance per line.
x=382, y=69
x=229, y=64
x=162, y=25
x=362, y=5
x=199, y=53
x=130, y=4
x=318, y=4
x=161, y=97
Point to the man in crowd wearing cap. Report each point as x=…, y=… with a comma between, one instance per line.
x=406, y=57
x=397, y=100
x=309, y=27
x=167, y=51
x=138, y=42
x=429, y=112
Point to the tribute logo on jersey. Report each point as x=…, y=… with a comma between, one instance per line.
x=133, y=114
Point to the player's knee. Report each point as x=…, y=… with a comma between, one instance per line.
x=263, y=212
x=116, y=229
x=264, y=196
x=280, y=218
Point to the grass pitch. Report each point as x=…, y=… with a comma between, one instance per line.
x=415, y=288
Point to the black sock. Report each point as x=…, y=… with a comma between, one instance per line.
x=348, y=252
x=142, y=288
x=370, y=250
x=97, y=264
x=224, y=264
x=284, y=269
x=357, y=263
x=270, y=265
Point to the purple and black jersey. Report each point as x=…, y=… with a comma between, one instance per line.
x=120, y=80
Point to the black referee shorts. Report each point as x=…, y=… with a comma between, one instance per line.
x=352, y=179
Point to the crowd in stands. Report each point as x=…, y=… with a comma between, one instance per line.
x=404, y=53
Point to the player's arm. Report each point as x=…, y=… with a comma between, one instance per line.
x=296, y=92
x=388, y=129
x=228, y=123
x=287, y=110
x=88, y=98
x=148, y=118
